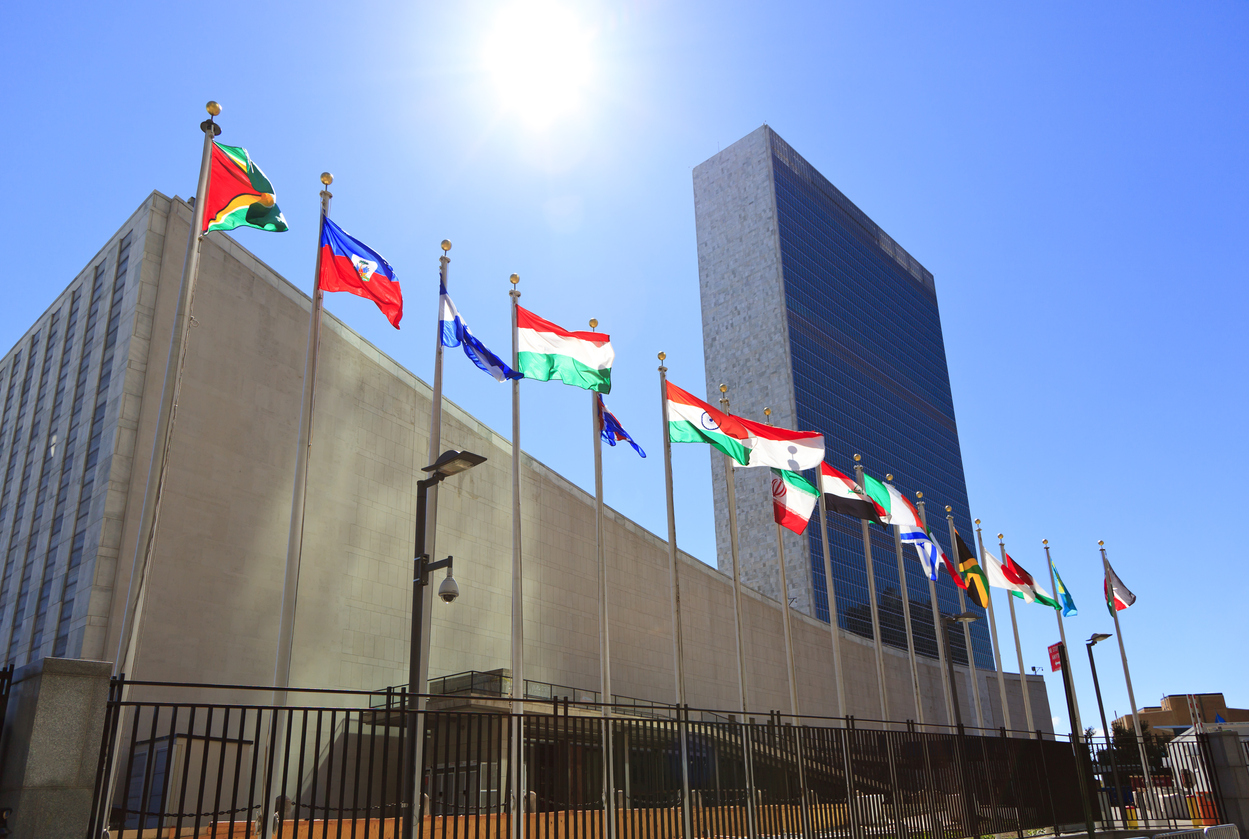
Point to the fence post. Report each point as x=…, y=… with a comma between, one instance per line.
x=687, y=803
x=1227, y=763
x=852, y=808
x=969, y=795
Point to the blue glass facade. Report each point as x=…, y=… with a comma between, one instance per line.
x=869, y=370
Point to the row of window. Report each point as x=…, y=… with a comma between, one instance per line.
x=24, y=563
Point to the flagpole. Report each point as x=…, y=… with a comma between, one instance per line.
x=678, y=653
x=737, y=577
x=1062, y=633
x=785, y=621
x=604, y=637
x=145, y=540
x=830, y=590
x=906, y=619
x=997, y=647
x=1023, y=680
x=962, y=607
x=1127, y=675
x=162, y=439
x=518, y=624
x=431, y=504
x=738, y=624
x=936, y=619
x=871, y=594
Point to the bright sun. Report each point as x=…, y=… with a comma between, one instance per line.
x=539, y=57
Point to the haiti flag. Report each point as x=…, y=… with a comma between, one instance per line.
x=349, y=265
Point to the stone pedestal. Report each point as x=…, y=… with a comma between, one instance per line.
x=50, y=746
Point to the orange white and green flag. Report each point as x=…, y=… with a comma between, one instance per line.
x=691, y=420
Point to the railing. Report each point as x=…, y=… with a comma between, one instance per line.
x=499, y=684
x=174, y=762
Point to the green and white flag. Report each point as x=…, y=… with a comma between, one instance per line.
x=793, y=499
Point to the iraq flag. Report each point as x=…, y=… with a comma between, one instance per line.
x=842, y=495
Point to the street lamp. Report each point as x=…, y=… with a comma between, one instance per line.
x=1097, y=638
x=449, y=463
x=949, y=621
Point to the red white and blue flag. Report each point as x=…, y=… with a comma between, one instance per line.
x=349, y=265
x=612, y=430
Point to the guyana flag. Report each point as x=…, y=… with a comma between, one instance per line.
x=969, y=567
x=239, y=194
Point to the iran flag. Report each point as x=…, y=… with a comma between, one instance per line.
x=793, y=499
x=791, y=451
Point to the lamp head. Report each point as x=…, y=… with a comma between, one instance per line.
x=1097, y=638
x=453, y=462
x=966, y=617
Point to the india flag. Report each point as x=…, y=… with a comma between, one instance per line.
x=793, y=499
x=691, y=420
x=550, y=352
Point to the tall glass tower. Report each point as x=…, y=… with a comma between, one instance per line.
x=813, y=310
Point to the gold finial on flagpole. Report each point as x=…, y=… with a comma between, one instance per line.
x=662, y=356
x=889, y=476
x=1000, y=536
x=724, y=388
x=977, y=522
x=949, y=509
x=919, y=495
x=445, y=245
x=1100, y=542
x=213, y=108
x=327, y=178
x=594, y=323
x=1045, y=541
x=514, y=279
x=857, y=458
x=767, y=412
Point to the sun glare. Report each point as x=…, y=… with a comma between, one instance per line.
x=540, y=59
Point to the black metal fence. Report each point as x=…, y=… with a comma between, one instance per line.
x=201, y=760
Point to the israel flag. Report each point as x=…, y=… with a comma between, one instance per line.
x=455, y=333
x=929, y=553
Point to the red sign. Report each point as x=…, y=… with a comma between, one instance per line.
x=1056, y=661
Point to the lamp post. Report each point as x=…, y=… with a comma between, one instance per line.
x=1097, y=638
x=449, y=463
x=949, y=621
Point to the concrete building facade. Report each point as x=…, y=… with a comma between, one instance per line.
x=811, y=309
x=80, y=394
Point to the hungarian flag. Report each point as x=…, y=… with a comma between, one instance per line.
x=970, y=575
x=793, y=451
x=793, y=499
x=691, y=420
x=349, y=265
x=843, y=495
x=1118, y=597
x=239, y=194
x=548, y=352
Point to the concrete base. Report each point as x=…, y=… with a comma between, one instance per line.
x=50, y=746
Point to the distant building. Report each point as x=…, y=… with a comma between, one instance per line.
x=1173, y=715
x=810, y=308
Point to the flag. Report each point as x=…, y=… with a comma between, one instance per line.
x=974, y=579
x=898, y=508
x=691, y=420
x=792, y=451
x=843, y=495
x=930, y=553
x=548, y=352
x=612, y=430
x=996, y=574
x=1064, y=596
x=455, y=333
x=793, y=499
x=1118, y=597
x=349, y=265
x=239, y=194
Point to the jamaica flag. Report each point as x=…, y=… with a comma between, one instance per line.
x=239, y=194
x=977, y=583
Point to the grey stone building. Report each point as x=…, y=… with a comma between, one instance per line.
x=81, y=390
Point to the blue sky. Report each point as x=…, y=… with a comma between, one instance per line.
x=1074, y=177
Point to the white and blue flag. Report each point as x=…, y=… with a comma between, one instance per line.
x=930, y=554
x=455, y=333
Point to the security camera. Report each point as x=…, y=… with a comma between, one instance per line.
x=449, y=590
